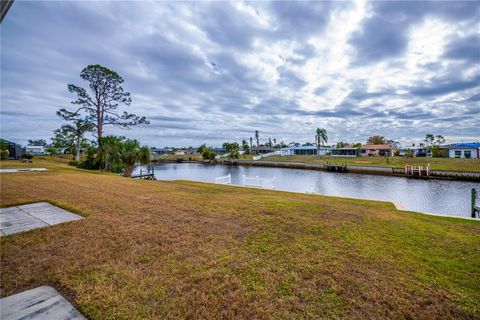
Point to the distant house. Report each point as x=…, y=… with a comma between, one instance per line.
x=344, y=152
x=14, y=150
x=463, y=150
x=261, y=150
x=305, y=150
x=219, y=150
x=382, y=150
x=35, y=150
x=415, y=151
x=60, y=151
x=162, y=151
x=192, y=151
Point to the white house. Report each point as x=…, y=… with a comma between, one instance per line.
x=305, y=150
x=415, y=152
x=464, y=150
x=35, y=150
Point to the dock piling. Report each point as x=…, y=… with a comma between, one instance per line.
x=474, y=205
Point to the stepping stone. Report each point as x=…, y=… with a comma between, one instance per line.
x=32, y=216
x=22, y=170
x=41, y=303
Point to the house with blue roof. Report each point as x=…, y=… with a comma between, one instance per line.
x=464, y=150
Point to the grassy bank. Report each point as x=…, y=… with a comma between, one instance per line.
x=154, y=249
x=184, y=157
x=199, y=157
x=398, y=162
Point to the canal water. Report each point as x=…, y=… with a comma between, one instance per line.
x=441, y=197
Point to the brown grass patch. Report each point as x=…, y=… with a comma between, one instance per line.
x=152, y=249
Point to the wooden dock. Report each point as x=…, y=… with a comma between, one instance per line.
x=149, y=174
x=417, y=171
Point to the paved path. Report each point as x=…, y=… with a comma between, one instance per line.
x=22, y=170
x=41, y=303
x=32, y=216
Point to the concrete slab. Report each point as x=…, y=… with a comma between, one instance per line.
x=32, y=216
x=38, y=304
x=22, y=170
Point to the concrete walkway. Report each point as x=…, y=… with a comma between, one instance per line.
x=32, y=216
x=22, y=170
x=41, y=303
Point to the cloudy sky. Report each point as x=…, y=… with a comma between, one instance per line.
x=216, y=71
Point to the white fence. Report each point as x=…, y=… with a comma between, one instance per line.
x=224, y=180
x=259, y=182
x=274, y=153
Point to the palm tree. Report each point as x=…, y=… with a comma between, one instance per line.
x=256, y=137
x=75, y=132
x=321, y=138
x=132, y=153
x=109, y=152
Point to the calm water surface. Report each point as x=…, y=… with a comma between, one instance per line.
x=430, y=196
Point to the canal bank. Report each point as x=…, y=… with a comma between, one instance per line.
x=364, y=169
x=352, y=168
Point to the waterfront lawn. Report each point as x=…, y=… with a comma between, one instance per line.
x=398, y=162
x=153, y=249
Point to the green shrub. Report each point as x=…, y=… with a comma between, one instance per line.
x=118, y=167
x=74, y=163
x=89, y=163
x=4, y=154
x=208, y=154
x=27, y=156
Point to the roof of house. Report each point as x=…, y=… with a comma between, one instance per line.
x=464, y=145
x=9, y=142
x=161, y=149
x=413, y=148
x=262, y=148
x=306, y=147
x=376, y=146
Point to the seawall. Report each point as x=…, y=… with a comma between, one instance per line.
x=353, y=168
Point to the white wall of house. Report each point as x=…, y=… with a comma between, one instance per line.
x=35, y=150
x=463, y=153
x=305, y=150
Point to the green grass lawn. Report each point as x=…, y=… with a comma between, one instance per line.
x=399, y=162
x=178, y=249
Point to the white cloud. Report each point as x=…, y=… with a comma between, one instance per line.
x=215, y=71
